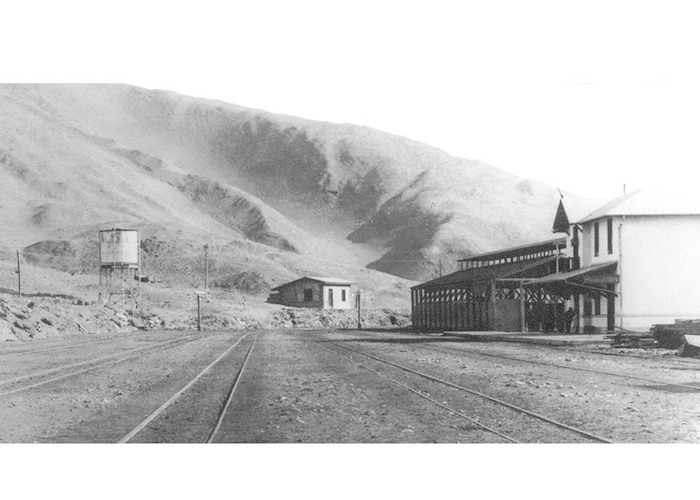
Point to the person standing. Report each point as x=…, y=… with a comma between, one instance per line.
x=569, y=316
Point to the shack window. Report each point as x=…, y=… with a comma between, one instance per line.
x=342, y=296
x=610, y=236
x=308, y=294
x=596, y=239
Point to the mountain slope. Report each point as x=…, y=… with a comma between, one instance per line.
x=295, y=194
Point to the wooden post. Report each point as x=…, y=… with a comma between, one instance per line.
x=199, y=314
x=491, y=310
x=140, y=271
x=523, y=324
x=358, y=299
x=19, y=277
x=206, y=267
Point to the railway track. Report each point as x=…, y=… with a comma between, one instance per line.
x=536, y=432
x=32, y=350
x=474, y=354
x=166, y=423
x=43, y=377
x=29, y=352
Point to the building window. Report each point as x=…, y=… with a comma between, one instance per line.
x=596, y=239
x=610, y=236
x=342, y=296
x=308, y=294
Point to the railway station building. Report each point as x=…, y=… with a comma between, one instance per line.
x=630, y=264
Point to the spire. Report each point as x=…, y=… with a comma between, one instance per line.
x=561, y=220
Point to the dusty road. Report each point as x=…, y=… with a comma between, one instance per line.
x=337, y=387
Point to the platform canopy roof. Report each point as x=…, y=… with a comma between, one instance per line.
x=592, y=278
x=511, y=270
x=522, y=250
x=647, y=201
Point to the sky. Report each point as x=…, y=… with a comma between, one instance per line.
x=593, y=97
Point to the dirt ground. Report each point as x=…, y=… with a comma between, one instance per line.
x=305, y=386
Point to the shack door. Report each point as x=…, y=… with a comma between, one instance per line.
x=330, y=298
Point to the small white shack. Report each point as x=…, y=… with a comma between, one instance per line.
x=312, y=291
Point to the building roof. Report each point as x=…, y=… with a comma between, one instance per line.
x=487, y=273
x=323, y=280
x=519, y=250
x=565, y=276
x=648, y=201
x=561, y=220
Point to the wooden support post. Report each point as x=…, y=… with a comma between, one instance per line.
x=140, y=271
x=523, y=324
x=358, y=298
x=491, y=310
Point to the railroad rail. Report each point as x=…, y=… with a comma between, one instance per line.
x=74, y=369
x=473, y=353
x=26, y=352
x=446, y=383
x=162, y=409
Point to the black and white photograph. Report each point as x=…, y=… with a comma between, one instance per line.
x=359, y=248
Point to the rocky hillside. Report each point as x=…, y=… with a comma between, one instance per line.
x=275, y=195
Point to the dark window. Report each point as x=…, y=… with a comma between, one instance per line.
x=308, y=295
x=596, y=239
x=610, y=236
x=342, y=295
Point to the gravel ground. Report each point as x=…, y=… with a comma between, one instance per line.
x=301, y=386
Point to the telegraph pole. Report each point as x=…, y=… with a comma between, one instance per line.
x=358, y=299
x=199, y=314
x=206, y=267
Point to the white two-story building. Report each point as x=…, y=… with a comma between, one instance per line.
x=636, y=263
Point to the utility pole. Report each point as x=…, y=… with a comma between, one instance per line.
x=19, y=277
x=358, y=300
x=199, y=308
x=199, y=314
x=206, y=267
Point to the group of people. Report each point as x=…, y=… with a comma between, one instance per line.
x=542, y=317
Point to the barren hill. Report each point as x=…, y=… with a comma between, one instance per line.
x=277, y=195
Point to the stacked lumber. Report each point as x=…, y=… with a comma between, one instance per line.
x=635, y=340
x=671, y=336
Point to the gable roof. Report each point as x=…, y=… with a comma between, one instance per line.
x=322, y=280
x=647, y=201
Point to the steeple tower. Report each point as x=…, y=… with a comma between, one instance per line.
x=561, y=220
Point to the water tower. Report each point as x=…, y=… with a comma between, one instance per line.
x=120, y=271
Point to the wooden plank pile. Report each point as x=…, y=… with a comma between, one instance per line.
x=671, y=336
x=636, y=340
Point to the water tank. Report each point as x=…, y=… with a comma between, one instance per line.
x=119, y=247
